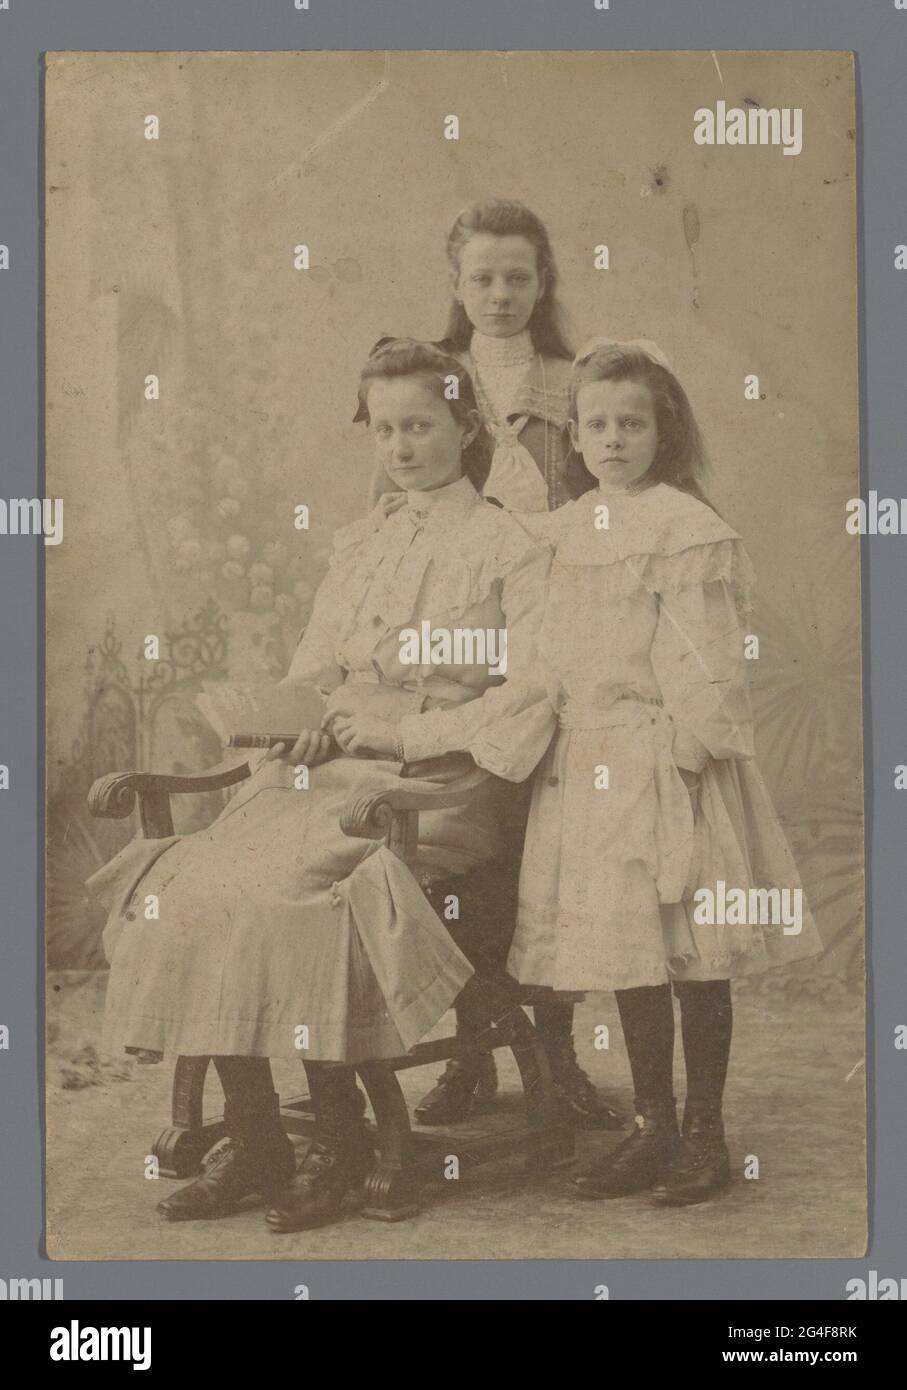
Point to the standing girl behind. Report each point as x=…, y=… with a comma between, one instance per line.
x=649, y=791
x=504, y=326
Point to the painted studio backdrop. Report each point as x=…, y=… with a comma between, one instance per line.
x=176, y=257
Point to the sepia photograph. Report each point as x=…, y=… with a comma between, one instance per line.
x=454, y=792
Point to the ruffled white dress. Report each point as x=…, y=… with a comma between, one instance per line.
x=272, y=919
x=642, y=645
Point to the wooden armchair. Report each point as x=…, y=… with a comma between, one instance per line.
x=406, y=1160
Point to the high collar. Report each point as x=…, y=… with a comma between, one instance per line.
x=452, y=498
x=544, y=390
x=515, y=351
x=614, y=491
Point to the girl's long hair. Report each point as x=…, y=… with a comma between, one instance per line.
x=401, y=357
x=680, y=457
x=500, y=217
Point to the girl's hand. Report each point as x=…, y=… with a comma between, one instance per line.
x=385, y=702
x=311, y=747
x=360, y=734
x=391, y=502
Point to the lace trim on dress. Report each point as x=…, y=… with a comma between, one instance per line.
x=550, y=404
x=715, y=561
x=492, y=548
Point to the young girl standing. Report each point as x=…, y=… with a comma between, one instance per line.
x=649, y=791
x=504, y=326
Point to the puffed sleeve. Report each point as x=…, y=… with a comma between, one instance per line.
x=698, y=659
x=315, y=661
x=509, y=727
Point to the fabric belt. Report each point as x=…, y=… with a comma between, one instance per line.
x=577, y=715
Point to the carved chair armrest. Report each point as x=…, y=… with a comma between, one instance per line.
x=392, y=813
x=114, y=796
x=447, y=768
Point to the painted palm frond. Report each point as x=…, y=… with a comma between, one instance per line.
x=806, y=692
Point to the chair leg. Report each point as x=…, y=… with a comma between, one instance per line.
x=550, y=1141
x=180, y=1148
x=392, y=1189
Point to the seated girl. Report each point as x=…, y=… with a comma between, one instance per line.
x=272, y=918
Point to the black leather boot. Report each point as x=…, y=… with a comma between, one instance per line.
x=582, y=1104
x=639, y=1161
x=466, y=1084
x=339, y=1159
x=701, y=1165
x=259, y=1160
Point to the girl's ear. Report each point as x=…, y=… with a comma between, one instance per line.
x=543, y=285
x=574, y=436
x=473, y=425
x=454, y=282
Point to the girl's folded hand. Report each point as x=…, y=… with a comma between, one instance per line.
x=391, y=502
x=350, y=701
x=364, y=735
x=312, y=747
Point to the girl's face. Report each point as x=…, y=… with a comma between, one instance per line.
x=417, y=440
x=615, y=430
x=498, y=283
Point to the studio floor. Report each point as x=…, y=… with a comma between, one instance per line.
x=795, y=1101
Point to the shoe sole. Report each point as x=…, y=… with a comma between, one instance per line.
x=349, y=1203
x=667, y=1199
x=272, y=1195
x=475, y=1108
x=588, y=1196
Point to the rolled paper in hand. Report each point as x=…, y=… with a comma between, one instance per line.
x=260, y=740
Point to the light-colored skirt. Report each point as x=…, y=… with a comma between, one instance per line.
x=609, y=874
x=278, y=935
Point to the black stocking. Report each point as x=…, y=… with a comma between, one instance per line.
x=647, y=1018
x=246, y=1080
x=706, y=1020
x=251, y=1105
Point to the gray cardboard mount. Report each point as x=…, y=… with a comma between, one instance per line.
x=877, y=33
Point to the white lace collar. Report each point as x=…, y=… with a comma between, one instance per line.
x=516, y=351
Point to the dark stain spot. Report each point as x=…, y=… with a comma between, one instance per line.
x=659, y=178
x=691, y=224
x=751, y=101
x=851, y=135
